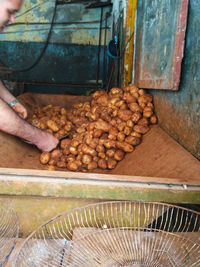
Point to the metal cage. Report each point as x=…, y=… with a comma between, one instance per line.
x=116, y=234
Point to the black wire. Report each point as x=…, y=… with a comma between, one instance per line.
x=110, y=77
x=124, y=50
x=118, y=23
x=127, y=44
x=118, y=51
x=43, y=50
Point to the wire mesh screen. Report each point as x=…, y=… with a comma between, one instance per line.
x=116, y=234
x=9, y=230
x=127, y=247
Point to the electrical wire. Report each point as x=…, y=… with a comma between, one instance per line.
x=119, y=55
x=118, y=51
x=12, y=70
x=110, y=78
x=128, y=41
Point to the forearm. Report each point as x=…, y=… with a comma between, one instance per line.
x=5, y=94
x=11, y=123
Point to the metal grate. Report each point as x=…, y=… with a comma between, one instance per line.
x=116, y=234
x=9, y=230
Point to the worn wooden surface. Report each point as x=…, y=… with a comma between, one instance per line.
x=158, y=159
x=159, y=46
x=129, y=49
x=178, y=112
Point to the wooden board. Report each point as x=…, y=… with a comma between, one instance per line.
x=160, y=34
x=158, y=159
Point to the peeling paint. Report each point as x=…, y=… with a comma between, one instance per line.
x=179, y=112
x=128, y=57
x=63, y=62
x=34, y=211
x=74, y=39
x=110, y=191
x=160, y=27
x=83, y=24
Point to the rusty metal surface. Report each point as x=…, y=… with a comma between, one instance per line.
x=160, y=43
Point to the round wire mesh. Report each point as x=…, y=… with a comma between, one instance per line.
x=9, y=230
x=128, y=247
x=116, y=234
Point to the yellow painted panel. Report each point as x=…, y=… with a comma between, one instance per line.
x=128, y=57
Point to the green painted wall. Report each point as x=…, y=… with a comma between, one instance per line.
x=34, y=211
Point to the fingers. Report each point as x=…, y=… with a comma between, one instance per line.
x=20, y=110
x=24, y=114
x=48, y=143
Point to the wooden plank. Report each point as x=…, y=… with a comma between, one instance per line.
x=103, y=190
x=160, y=156
x=17, y=173
x=159, y=46
x=158, y=159
x=130, y=28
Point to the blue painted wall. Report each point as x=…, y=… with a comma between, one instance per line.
x=179, y=112
x=66, y=63
x=72, y=53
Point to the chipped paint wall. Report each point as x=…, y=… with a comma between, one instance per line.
x=72, y=53
x=179, y=112
x=118, y=6
x=73, y=23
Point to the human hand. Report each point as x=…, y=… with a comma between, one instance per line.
x=46, y=142
x=20, y=109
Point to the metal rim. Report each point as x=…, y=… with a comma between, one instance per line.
x=108, y=202
x=110, y=214
x=9, y=230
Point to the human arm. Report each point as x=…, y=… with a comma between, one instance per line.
x=6, y=96
x=11, y=123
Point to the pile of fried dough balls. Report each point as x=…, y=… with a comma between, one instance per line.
x=98, y=133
